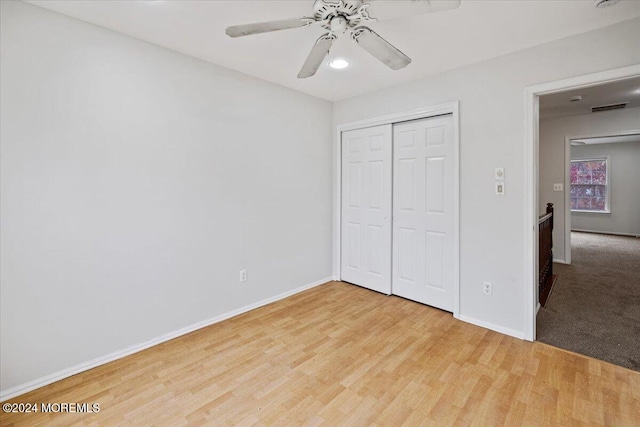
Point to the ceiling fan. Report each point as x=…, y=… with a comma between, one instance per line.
x=338, y=16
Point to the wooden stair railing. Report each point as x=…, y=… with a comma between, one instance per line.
x=545, y=256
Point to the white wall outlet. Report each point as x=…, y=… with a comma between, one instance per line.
x=499, y=174
x=557, y=187
x=500, y=188
x=243, y=275
x=487, y=288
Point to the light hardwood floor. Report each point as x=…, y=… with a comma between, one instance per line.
x=342, y=355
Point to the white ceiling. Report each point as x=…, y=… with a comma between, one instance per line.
x=476, y=31
x=559, y=104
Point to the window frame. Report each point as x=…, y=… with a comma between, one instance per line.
x=607, y=205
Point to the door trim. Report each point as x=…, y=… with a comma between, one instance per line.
x=452, y=108
x=531, y=176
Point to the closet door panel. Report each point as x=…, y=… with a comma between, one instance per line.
x=423, y=205
x=366, y=208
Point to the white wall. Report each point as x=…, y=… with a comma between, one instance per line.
x=491, y=95
x=624, y=197
x=136, y=182
x=553, y=161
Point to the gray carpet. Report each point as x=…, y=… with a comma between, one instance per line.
x=594, y=308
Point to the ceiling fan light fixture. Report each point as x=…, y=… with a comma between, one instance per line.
x=339, y=64
x=338, y=25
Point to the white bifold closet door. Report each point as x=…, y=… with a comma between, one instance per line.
x=366, y=207
x=423, y=211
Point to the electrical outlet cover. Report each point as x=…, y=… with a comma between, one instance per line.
x=487, y=288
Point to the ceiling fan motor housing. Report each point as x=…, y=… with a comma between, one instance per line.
x=349, y=13
x=324, y=9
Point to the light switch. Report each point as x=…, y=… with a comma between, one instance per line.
x=500, y=188
x=557, y=187
x=499, y=174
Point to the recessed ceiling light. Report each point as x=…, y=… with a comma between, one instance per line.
x=339, y=64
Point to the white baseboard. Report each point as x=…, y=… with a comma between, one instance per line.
x=85, y=366
x=605, y=232
x=493, y=327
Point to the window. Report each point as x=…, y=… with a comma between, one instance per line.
x=589, y=190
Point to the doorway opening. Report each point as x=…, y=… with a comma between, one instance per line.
x=585, y=164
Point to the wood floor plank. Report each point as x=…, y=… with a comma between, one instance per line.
x=342, y=355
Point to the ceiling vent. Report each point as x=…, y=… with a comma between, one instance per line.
x=599, y=108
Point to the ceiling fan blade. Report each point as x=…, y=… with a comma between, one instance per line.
x=318, y=52
x=265, y=27
x=370, y=41
x=391, y=9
